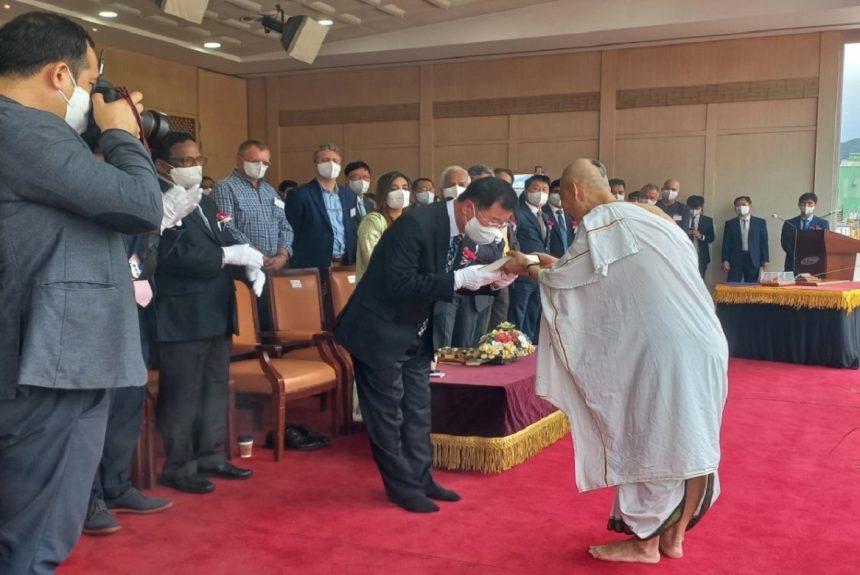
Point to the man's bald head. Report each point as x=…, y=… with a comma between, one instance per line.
x=584, y=186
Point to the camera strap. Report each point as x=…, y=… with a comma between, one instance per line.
x=123, y=92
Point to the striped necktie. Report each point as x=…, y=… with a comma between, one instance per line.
x=452, y=252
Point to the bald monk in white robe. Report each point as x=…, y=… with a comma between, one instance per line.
x=632, y=351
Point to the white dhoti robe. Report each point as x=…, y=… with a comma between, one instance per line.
x=632, y=351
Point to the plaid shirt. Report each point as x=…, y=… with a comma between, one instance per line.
x=258, y=216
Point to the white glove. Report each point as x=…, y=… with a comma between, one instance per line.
x=506, y=280
x=178, y=203
x=257, y=278
x=243, y=255
x=472, y=278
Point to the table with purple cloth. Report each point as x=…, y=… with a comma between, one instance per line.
x=488, y=418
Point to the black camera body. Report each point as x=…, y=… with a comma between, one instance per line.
x=154, y=125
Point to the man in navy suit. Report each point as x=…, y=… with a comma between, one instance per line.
x=745, y=249
x=560, y=223
x=533, y=236
x=322, y=215
x=805, y=221
x=701, y=232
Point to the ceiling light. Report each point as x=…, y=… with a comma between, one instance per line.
x=108, y=14
x=326, y=22
x=392, y=10
x=95, y=29
x=212, y=45
x=7, y=6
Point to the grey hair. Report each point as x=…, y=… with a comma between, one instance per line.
x=443, y=178
x=479, y=169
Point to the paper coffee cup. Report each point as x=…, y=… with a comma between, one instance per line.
x=246, y=446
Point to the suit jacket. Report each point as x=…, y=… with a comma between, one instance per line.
x=528, y=229
x=195, y=296
x=556, y=245
x=314, y=238
x=405, y=276
x=68, y=318
x=758, y=250
x=789, y=232
x=706, y=228
x=369, y=206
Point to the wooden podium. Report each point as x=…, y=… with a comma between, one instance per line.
x=826, y=254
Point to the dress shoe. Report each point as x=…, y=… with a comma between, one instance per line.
x=436, y=491
x=301, y=440
x=415, y=503
x=311, y=435
x=227, y=471
x=189, y=484
x=133, y=501
x=99, y=520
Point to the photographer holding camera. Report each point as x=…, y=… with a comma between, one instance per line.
x=68, y=324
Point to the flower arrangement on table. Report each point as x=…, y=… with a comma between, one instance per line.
x=504, y=344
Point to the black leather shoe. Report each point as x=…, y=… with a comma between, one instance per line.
x=227, y=471
x=189, y=484
x=295, y=438
x=415, y=503
x=436, y=491
x=310, y=434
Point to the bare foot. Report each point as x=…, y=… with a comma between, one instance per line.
x=671, y=546
x=630, y=551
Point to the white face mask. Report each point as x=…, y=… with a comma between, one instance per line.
x=537, y=199
x=206, y=191
x=807, y=210
x=669, y=194
x=255, y=170
x=555, y=199
x=77, y=108
x=425, y=197
x=619, y=196
x=742, y=210
x=453, y=191
x=648, y=201
x=397, y=199
x=187, y=177
x=359, y=186
x=695, y=213
x=328, y=170
x=481, y=235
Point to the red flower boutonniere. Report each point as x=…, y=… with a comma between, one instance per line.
x=468, y=257
x=550, y=224
x=222, y=218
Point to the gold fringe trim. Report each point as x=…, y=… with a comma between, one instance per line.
x=497, y=454
x=796, y=298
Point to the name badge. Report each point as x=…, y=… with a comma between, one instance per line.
x=352, y=213
x=279, y=203
x=677, y=218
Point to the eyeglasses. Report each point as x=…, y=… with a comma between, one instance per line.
x=491, y=222
x=189, y=161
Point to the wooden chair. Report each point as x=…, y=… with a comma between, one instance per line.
x=342, y=284
x=288, y=377
x=143, y=473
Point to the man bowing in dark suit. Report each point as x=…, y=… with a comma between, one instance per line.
x=701, y=232
x=384, y=328
x=195, y=316
x=807, y=220
x=322, y=215
x=745, y=250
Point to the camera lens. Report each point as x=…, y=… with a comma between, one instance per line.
x=155, y=125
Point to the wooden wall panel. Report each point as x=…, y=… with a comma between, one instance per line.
x=762, y=115
x=341, y=89
x=774, y=57
x=381, y=160
x=467, y=154
x=553, y=158
x=483, y=129
x=170, y=86
x=381, y=134
x=671, y=119
x=562, y=126
x=654, y=160
x=223, y=113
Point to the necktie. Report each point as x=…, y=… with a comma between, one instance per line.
x=562, y=228
x=142, y=292
x=361, y=211
x=452, y=252
x=804, y=224
x=203, y=217
x=541, y=225
x=745, y=242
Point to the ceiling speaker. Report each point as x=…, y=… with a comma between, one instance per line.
x=191, y=10
x=301, y=37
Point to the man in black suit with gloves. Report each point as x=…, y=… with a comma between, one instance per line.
x=195, y=317
x=701, y=232
x=385, y=329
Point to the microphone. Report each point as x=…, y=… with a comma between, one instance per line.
x=782, y=219
x=828, y=214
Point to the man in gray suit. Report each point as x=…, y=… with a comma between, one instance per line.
x=68, y=324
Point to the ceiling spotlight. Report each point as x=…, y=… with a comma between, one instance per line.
x=108, y=14
x=212, y=45
x=95, y=29
x=7, y=6
x=326, y=22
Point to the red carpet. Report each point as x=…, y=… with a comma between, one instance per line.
x=788, y=506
